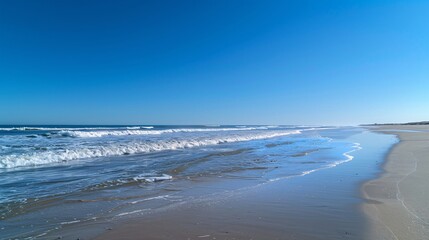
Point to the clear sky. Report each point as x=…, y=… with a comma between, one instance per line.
x=213, y=62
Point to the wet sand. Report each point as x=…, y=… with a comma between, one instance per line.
x=322, y=205
x=398, y=206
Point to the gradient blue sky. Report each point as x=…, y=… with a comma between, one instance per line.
x=213, y=62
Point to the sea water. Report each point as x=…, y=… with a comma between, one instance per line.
x=55, y=176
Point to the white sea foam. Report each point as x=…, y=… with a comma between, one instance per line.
x=89, y=134
x=164, y=197
x=69, y=128
x=28, y=129
x=151, y=179
x=70, y=222
x=116, y=149
x=349, y=157
x=132, y=212
x=137, y=127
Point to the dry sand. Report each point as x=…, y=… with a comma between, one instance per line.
x=398, y=206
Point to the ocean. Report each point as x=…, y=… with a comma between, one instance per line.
x=57, y=177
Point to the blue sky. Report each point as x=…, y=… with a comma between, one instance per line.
x=214, y=62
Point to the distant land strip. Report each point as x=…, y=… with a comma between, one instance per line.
x=409, y=123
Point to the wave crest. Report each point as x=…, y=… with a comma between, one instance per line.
x=117, y=149
x=92, y=134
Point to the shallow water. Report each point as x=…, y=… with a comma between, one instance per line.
x=55, y=176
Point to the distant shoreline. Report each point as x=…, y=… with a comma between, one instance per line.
x=397, y=124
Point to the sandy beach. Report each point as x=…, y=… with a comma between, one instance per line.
x=375, y=191
x=322, y=205
x=256, y=182
x=398, y=206
x=395, y=203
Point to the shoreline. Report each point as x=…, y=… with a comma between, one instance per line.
x=327, y=203
x=323, y=205
x=397, y=200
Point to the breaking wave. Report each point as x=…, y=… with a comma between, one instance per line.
x=70, y=128
x=89, y=134
x=117, y=149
